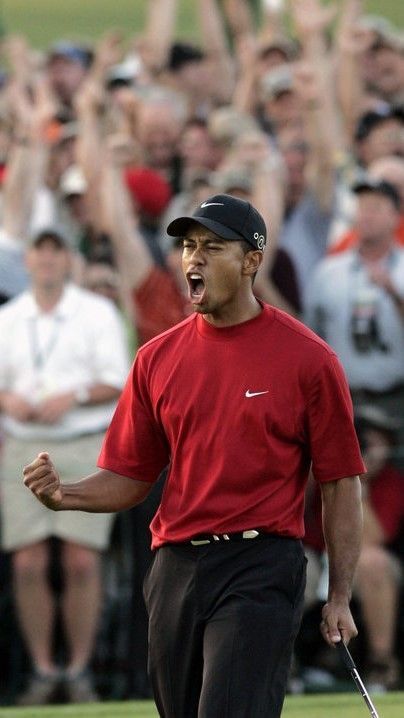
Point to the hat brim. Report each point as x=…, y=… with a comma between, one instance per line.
x=363, y=187
x=180, y=226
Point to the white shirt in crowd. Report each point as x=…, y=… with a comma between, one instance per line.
x=80, y=343
x=341, y=293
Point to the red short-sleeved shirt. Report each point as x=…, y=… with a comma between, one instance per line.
x=238, y=413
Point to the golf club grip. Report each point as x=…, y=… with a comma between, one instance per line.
x=346, y=656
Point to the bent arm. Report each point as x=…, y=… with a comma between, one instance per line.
x=342, y=526
x=101, y=492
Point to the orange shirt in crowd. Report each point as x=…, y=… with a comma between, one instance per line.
x=350, y=238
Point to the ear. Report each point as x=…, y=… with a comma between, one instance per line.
x=251, y=262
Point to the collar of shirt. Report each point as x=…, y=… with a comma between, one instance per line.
x=66, y=306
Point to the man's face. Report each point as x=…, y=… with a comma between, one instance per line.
x=387, y=139
x=389, y=71
x=65, y=76
x=284, y=110
x=158, y=132
x=214, y=270
x=376, y=218
x=48, y=263
x=197, y=149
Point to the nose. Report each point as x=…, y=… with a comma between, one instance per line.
x=195, y=256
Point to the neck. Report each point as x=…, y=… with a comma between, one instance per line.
x=47, y=297
x=374, y=251
x=236, y=314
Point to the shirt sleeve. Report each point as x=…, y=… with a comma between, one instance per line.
x=135, y=444
x=333, y=442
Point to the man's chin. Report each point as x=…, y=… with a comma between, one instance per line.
x=201, y=308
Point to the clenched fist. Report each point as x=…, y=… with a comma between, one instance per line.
x=43, y=480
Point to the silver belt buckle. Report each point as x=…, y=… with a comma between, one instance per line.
x=199, y=542
x=250, y=534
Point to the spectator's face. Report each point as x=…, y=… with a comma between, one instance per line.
x=194, y=78
x=390, y=169
x=48, y=263
x=102, y=279
x=387, y=138
x=159, y=132
x=65, y=77
x=389, y=72
x=270, y=60
x=197, y=149
x=77, y=206
x=284, y=110
x=376, y=218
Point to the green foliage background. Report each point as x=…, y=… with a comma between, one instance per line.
x=42, y=21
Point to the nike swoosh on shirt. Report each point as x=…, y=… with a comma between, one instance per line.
x=249, y=393
x=211, y=204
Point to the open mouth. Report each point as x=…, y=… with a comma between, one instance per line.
x=196, y=284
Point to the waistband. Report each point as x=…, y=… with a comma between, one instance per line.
x=232, y=537
x=247, y=535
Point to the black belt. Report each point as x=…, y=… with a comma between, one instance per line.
x=202, y=539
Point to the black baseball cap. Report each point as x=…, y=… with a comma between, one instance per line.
x=71, y=52
x=52, y=233
x=229, y=217
x=379, y=186
x=182, y=53
x=372, y=119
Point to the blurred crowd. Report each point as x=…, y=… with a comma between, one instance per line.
x=296, y=106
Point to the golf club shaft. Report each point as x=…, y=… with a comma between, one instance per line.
x=350, y=664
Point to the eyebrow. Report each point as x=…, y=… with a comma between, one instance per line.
x=204, y=239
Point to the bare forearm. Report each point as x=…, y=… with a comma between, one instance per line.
x=159, y=30
x=132, y=256
x=342, y=525
x=103, y=491
x=238, y=15
x=212, y=30
x=21, y=185
x=350, y=86
x=88, y=145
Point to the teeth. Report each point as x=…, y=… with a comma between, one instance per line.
x=195, y=276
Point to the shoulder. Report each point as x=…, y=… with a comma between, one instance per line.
x=168, y=338
x=14, y=307
x=300, y=338
x=90, y=303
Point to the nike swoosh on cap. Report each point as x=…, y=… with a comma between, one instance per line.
x=211, y=204
x=249, y=393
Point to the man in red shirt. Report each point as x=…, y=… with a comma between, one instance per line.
x=240, y=400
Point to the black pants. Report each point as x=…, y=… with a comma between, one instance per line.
x=223, y=618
